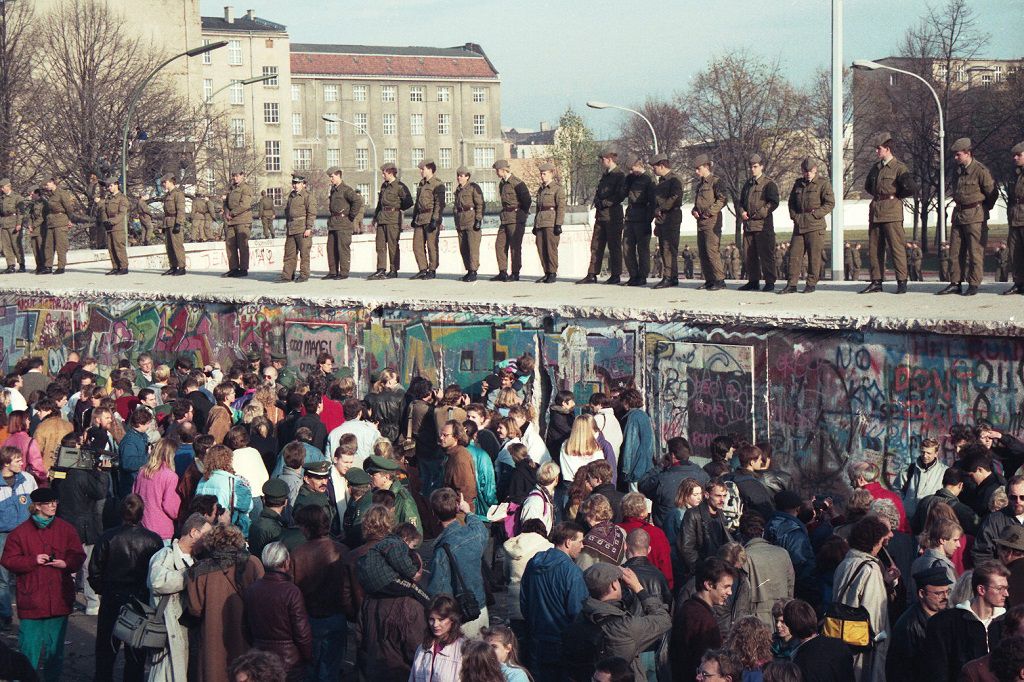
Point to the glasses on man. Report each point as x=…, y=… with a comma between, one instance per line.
x=703, y=674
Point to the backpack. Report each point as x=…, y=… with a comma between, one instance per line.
x=733, y=509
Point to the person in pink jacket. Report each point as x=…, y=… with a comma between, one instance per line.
x=17, y=426
x=157, y=485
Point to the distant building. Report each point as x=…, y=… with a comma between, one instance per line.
x=530, y=144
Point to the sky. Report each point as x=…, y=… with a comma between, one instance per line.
x=552, y=54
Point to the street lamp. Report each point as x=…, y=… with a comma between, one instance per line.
x=868, y=65
x=247, y=81
x=604, y=105
x=364, y=131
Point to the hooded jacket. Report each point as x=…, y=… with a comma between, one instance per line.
x=518, y=552
x=551, y=596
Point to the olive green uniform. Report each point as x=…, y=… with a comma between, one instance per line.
x=888, y=183
x=97, y=235
x=916, y=260
x=145, y=218
x=388, y=217
x=515, y=205
x=1015, y=220
x=636, y=235
x=174, y=222
x=37, y=232
x=10, y=226
x=668, y=216
x=200, y=220
x=267, y=216
x=344, y=204
x=759, y=198
x=687, y=262
x=405, y=510
x=809, y=203
x=238, y=224
x=709, y=200
x=974, y=194
x=113, y=214
x=547, y=224
x=300, y=215
x=608, y=217
x=60, y=206
x=426, y=222
x=469, y=215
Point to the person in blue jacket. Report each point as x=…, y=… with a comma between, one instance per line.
x=637, y=440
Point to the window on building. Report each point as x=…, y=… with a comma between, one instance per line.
x=296, y=124
x=480, y=125
x=302, y=159
x=271, y=113
x=360, y=121
x=209, y=180
x=390, y=124
x=388, y=93
x=332, y=127
x=449, y=195
x=479, y=94
x=416, y=124
x=362, y=159
x=236, y=93
x=390, y=155
x=207, y=88
x=207, y=56
x=416, y=93
x=444, y=93
x=234, y=52
x=359, y=93
x=893, y=79
x=331, y=93
x=296, y=93
x=270, y=71
x=483, y=157
x=417, y=155
x=986, y=79
x=364, y=189
x=444, y=157
x=237, y=132
x=333, y=157
x=1000, y=76
x=277, y=194
x=489, y=190
x=444, y=124
x=272, y=155
x=942, y=72
x=961, y=73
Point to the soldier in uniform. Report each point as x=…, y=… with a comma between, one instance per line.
x=140, y=211
x=392, y=199
x=847, y=262
x=426, y=220
x=687, y=262
x=10, y=223
x=300, y=217
x=36, y=228
x=199, y=218
x=1015, y=220
x=174, y=223
x=637, y=232
x=709, y=200
x=94, y=194
x=547, y=221
x=889, y=182
x=211, y=219
x=238, y=225
x=826, y=260
x=726, y=255
x=975, y=194
x=344, y=204
x=113, y=214
x=607, y=205
x=59, y=208
x=469, y=216
x=913, y=262
x=758, y=199
x=267, y=214
x=809, y=202
x=944, y=262
x=384, y=476
x=668, y=216
x=1002, y=262
x=515, y=205
x=856, y=262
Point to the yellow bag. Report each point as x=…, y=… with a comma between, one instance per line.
x=851, y=624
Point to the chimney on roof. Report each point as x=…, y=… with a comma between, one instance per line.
x=250, y=14
x=473, y=47
x=229, y=14
x=544, y=127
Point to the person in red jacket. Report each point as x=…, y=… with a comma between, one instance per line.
x=44, y=552
x=636, y=514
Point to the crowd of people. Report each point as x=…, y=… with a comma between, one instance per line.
x=271, y=526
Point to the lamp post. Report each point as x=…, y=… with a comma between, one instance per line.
x=247, y=81
x=604, y=105
x=838, y=128
x=868, y=65
x=364, y=131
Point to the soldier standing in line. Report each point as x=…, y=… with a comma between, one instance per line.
x=847, y=262
x=174, y=223
x=919, y=262
x=668, y=217
x=200, y=218
x=944, y=262
x=1002, y=263
x=826, y=260
x=300, y=217
x=975, y=194
x=547, y=221
x=911, y=272
x=687, y=262
x=36, y=228
x=392, y=199
x=607, y=205
x=211, y=219
x=809, y=202
x=24, y=205
x=10, y=223
x=238, y=224
x=856, y=262
x=709, y=200
x=113, y=215
x=59, y=208
x=140, y=212
x=426, y=220
x=469, y=217
x=780, y=255
x=636, y=235
x=267, y=214
x=515, y=205
x=758, y=200
x=1015, y=220
x=344, y=204
x=888, y=182
x=94, y=194
x=725, y=254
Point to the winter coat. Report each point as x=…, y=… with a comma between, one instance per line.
x=133, y=451
x=48, y=436
x=907, y=644
x=660, y=554
x=637, y=456
x=81, y=496
x=34, y=463
x=318, y=569
x=518, y=552
x=559, y=427
x=14, y=501
x=661, y=485
x=167, y=578
x=43, y=591
x=551, y=596
x=162, y=502
x=931, y=558
x=276, y=615
x=865, y=587
x=388, y=633
x=754, y=493
x=918, y=482
x=387, y=412
x=790, y=533
x=119, y=564
x=610, y=428
x=990, y=530
x=772, y=577
x=953, y=638
x=700, y=536
x=486, y=489
x=538, y=505
x=694, y=631
x=652, y=579
x=623, y=633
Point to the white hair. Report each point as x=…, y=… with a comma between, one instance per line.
x=275, y=556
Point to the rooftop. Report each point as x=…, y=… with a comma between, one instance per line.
x=466, y=61
x=242, y=24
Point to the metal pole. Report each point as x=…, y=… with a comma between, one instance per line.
x=603, y=105
x=838, y=121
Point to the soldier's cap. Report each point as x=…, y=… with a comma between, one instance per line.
x=112, y=181
x=499, y=164
x=275, y=491
x=320, y=469
x=298, y=178
x=278, y=355
x=881, y=139
x=376, y=463
x=808, y=163
x=425, y=162
x=237, y=171
x=608, y=153
x=253, y=355
x=4, y=182
x=357, y=476
x=34, y=188
x=1012, y=537
x=385, y=167
x=550, y=167
x=660, y=160
x=43, y=495
x=961, y=145
x=169, y=177
x=600, y=577
x=334, y=170
x=462, y=170
x=634, y=160
x=702, y=160
x=1018, y=148
x=933, y=576
x=755, y=158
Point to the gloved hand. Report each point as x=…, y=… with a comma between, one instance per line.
x=430, y=227
x=558, y=230
x=177, y=229
x=536, y=231
x=476, y=226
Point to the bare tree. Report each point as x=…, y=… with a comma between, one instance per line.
x=575, y=154
x=17, y=50
x=221, y=149
x=669, y=122
x=818, y=133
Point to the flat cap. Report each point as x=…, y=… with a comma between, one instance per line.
x=357, y=476
x=377, y=463
x=34, y=188
x=933, y=576
x=1018, y=148
x=319, y=469
x=334, y=170
x=755, y=158
x=660, y=160
x=4, y=182
x=388, y=166
x=600, y=576
x=113, y=180
x=881, y=139
x=962, y=145
x=275, y=489
x=43, y=495
x=787, y=499
x=499, y=164
x=702, y=160
x=278, y=355
x=425, y=162
x=462, y=170
x=633, y=160
x=608, y=153
x=169, y=177
x=298, y=178
x=1012, y=537
x=546, y=166
x=808, y=163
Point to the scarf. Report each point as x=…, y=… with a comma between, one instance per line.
x=42, y=521
x=605, y=540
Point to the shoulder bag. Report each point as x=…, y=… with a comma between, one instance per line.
x=852, y=624
x=142, y=626
x=468, y=604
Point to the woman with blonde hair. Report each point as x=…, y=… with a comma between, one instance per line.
x=267, y=398
x=540, y=503
x=157, y=485
x=506, y=400
x=580, y=448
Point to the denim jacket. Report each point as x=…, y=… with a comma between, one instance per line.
x=467, y=544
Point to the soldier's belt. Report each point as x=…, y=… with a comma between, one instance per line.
x=547, y=208
x=463, y=210
x=390, y=208
x=425, y=211
x=510, y=207
x=880, y=197
x=337, y=215
x=964, y=207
